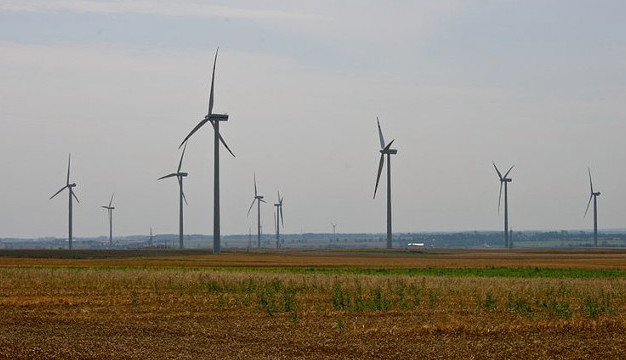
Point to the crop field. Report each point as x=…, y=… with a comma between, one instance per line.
x=312, y=304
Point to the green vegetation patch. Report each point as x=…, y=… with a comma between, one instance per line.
x=565, y=273
x=485, y=272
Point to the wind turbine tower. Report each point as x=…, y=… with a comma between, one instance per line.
x=504, y=180
x=110, y=209
x=594, y=196
x=279, y=219
x=179, y=175
x=214, y=119
x=259, y=199
x=70, y=195
x=385, y=149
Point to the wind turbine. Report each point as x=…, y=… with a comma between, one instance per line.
x=334, y=233
x=594, y=196
x=259, y=199
x=385, y=150
x=504, y=180
x=214, y=119
x=179, y=175
x=70, y=195
x=110, y=209
x=279, y=219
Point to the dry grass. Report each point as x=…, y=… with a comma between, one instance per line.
x=150, y=312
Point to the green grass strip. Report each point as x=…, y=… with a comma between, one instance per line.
x=507, y=272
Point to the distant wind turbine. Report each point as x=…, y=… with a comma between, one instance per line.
x=385, y=149
x=70, y=195
x=504, y=180
x=279, y=219
x=214, y=119
x=179, y=175
x=594, y=196
x=259, y=199
x=334, y=233
x=110, y=209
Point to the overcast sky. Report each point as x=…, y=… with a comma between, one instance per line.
x=119, y=84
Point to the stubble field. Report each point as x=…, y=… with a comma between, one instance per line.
x=436, y=304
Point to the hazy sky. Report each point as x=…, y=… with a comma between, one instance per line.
x=538, y=84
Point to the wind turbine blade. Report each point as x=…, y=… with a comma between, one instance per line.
x=212, y=83
x=282, y=219
x=194, y=130
x=57, y=193
x=380, y=135
x=111, y=201
x=498, y=171
x=278, y=196
x=180, y=183
x=180, y=163
x=104, y=207
x=499, y=198
x=263, y=201
x=251, y=205
x=589, y=202
x=222, y=139
x=69, y=161
x=508, y=171
x=226, y=146
x=167, y=176
x=590, y=182
x=380, y=170
x=386, y=148
x=255, y=192
x=185, y=198
x=74, y=195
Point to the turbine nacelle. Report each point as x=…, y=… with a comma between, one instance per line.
x=388, y=151
x=596, y=193
x=181, y=174
x=216, y=117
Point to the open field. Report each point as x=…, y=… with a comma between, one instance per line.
x=483, y=304
x=360, y=259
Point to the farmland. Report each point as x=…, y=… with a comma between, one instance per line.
x=487, y=304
